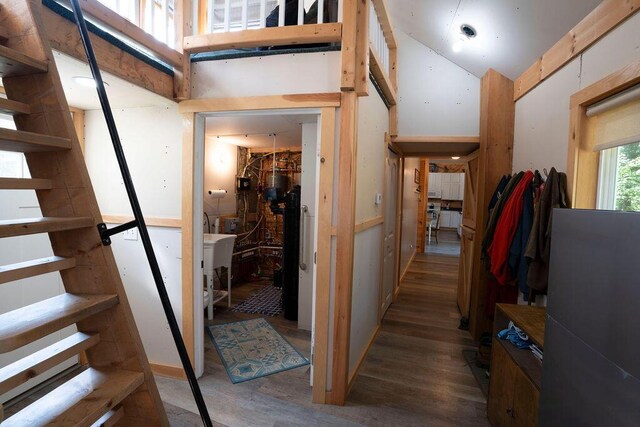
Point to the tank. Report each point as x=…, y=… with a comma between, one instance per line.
x=277, y=186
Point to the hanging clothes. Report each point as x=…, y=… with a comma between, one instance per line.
x=554, y=195
x=497, y=211
x=518, y=264
x=505, y=230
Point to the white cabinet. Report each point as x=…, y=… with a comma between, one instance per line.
x=451, y=185
x=435, y=181
x=454, y=222
x=445, y=219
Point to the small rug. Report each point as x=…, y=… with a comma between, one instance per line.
x=267, y=302
x=479, y=373
x=252, y=349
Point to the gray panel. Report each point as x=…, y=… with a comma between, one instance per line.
x=582, y=388
x=594, y=285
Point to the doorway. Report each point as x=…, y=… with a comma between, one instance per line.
x=312, y=303
x=445, y=203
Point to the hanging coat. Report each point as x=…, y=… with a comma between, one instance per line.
x=538, y=251
x=506, y=229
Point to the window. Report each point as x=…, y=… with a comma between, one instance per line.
x=615, y=125
x=619, y=179
x=156, y=17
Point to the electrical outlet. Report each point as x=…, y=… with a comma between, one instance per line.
x=131, y=234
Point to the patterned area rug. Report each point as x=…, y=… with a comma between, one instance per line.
x=267, y=302
x=252, y=349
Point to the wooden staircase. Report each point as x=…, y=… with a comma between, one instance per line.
x=117, y=387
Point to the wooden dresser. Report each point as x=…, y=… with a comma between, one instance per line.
x=516, y=374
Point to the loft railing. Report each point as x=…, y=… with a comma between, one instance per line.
x=139, y=221
x=378, y=41
x=223, y=16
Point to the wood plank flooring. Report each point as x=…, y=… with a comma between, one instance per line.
x=415, y=374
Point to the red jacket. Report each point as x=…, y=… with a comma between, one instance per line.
x=505, y=230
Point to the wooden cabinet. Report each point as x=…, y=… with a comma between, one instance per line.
x=514, y=389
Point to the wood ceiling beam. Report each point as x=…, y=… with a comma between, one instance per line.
x=276, y=36
x=437, y=139
x=64, y=37
x=603, y=19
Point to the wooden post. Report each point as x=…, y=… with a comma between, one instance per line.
x=344, y=245
x=362, y=49
x=188, y=167
x=497, y=118
x=422, y=205
x=349, y=44
x=183, y=21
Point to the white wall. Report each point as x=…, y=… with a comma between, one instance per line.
x=152, y=141
x=373, y=122
x=267, y=75
x=409, y=213
x=435, y=96
x=541, y=137
x=220, y=170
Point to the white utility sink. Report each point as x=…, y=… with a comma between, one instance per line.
x=218, y=251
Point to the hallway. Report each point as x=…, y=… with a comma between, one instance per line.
x=414, y=375
x=415, y=368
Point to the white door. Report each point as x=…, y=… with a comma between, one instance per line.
x=391, y=193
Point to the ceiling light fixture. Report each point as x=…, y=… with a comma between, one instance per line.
x=86, y=81
x=467, y=32
x=455, y=157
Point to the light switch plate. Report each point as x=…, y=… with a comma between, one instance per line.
x=378, y=199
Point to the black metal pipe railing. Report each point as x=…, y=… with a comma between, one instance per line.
x=137, y=213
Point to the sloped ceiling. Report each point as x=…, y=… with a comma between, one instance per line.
x=512, y=34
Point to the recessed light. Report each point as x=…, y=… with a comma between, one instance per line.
x=86, y=81
x=455, y=157
x=467, y=32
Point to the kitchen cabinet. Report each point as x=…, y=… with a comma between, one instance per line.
x=450, y=219
x=450, y=184
x=435, y=181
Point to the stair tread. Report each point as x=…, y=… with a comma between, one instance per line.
x=29, y=142
x=27, y=324
x=24, y=226
x=21, y=371
x=25, y=184
x=34, y=267
x=8, y=106
x=80, y=401
x=14, y=63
